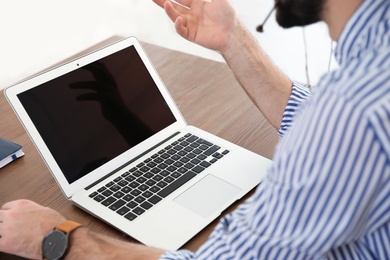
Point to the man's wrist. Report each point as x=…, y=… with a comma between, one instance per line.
x=78, y=239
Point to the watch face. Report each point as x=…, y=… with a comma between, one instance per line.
x=54, y=245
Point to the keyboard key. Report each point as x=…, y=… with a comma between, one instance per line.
x=137, y=173
x=162, y=184
x=195, y=161
x=154, y=189
x=128, y=197
x=203, y=147
x=134, y=184
x=130, y=216
x=143, y=187
x=139, y=199
x=133, y=169
x=141, y=179
x=218, y=155
x=178, y=164
x=184, y=143
x=164, y=173
x=93, y=194
x=162, y=166
x=99, y=198
x=154, y=199
x=197, y=151
x=135, y=192
x=191, y=155
x=189, y=165
x=192, y=138
x=184, y=160
x=175, y=175
x=158, y=160
x=146, y=205
x=107, y=193
x=212, y=150
x=147, y=194
x=155, y=170
x=126, y=189
x=122, y=211
x=205, y=164
x=152, y=164
x=115, y=187
x=117, y=205
x=174, y=158
x=157, y=178
x=198, y=169
x=130, y=178
x=201, y=157
x=110, y=184
x=148, y=175
x=125, y=174
x=169, y=179
x=138, y=210
x=102, y=189
x=107, y=202
x=131, y=204
x=117, y=179
x=119, y=194
x=150, y=182
x=176, y=184
x=122, y=183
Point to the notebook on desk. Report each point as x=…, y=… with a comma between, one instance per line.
x=119, y=148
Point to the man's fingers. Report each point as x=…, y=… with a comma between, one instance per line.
x=171, y=11
x=181, y=28
x=160, y=2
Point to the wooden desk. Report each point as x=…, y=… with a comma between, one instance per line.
x=208, y=96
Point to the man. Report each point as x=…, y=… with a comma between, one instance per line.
x=328, y=192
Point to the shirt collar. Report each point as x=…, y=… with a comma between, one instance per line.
x=366, y=29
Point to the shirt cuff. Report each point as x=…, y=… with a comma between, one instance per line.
x=298, y=95
x=177, y=255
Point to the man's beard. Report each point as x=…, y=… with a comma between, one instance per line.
x=291, y=13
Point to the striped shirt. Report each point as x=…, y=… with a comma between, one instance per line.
x=327, y=195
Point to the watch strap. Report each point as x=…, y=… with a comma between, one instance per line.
x=67, y=226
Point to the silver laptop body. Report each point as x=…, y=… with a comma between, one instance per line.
x=118, y=147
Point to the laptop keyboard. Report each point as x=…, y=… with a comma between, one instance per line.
x=143, y=186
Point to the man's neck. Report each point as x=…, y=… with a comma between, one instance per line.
x=337, y=13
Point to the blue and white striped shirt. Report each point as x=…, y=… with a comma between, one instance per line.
x=328, y=192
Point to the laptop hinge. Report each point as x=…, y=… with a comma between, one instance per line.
x=131, y=161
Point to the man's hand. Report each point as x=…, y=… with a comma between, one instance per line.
x=204, y=22
x=23, y=225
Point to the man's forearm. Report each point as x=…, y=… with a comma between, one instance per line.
x=266, y=85
x=85, y=244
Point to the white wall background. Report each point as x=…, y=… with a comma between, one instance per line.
x=35, y=35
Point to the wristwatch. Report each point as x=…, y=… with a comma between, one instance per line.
x=56, y=242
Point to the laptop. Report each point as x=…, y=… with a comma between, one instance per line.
x=119, y=148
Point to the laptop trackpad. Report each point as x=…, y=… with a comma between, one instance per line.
x=208, y=195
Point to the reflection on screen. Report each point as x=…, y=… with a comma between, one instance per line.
x=93, y=114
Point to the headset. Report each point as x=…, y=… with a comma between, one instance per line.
x=260, y=29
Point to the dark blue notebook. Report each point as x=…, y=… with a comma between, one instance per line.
x=9, y=151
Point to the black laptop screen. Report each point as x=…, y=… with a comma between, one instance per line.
x=95, y=113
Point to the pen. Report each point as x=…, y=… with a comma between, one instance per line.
x=175, y=2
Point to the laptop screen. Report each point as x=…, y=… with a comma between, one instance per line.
x=95, y=113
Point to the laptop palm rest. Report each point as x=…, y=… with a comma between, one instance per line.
x=207, y=196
